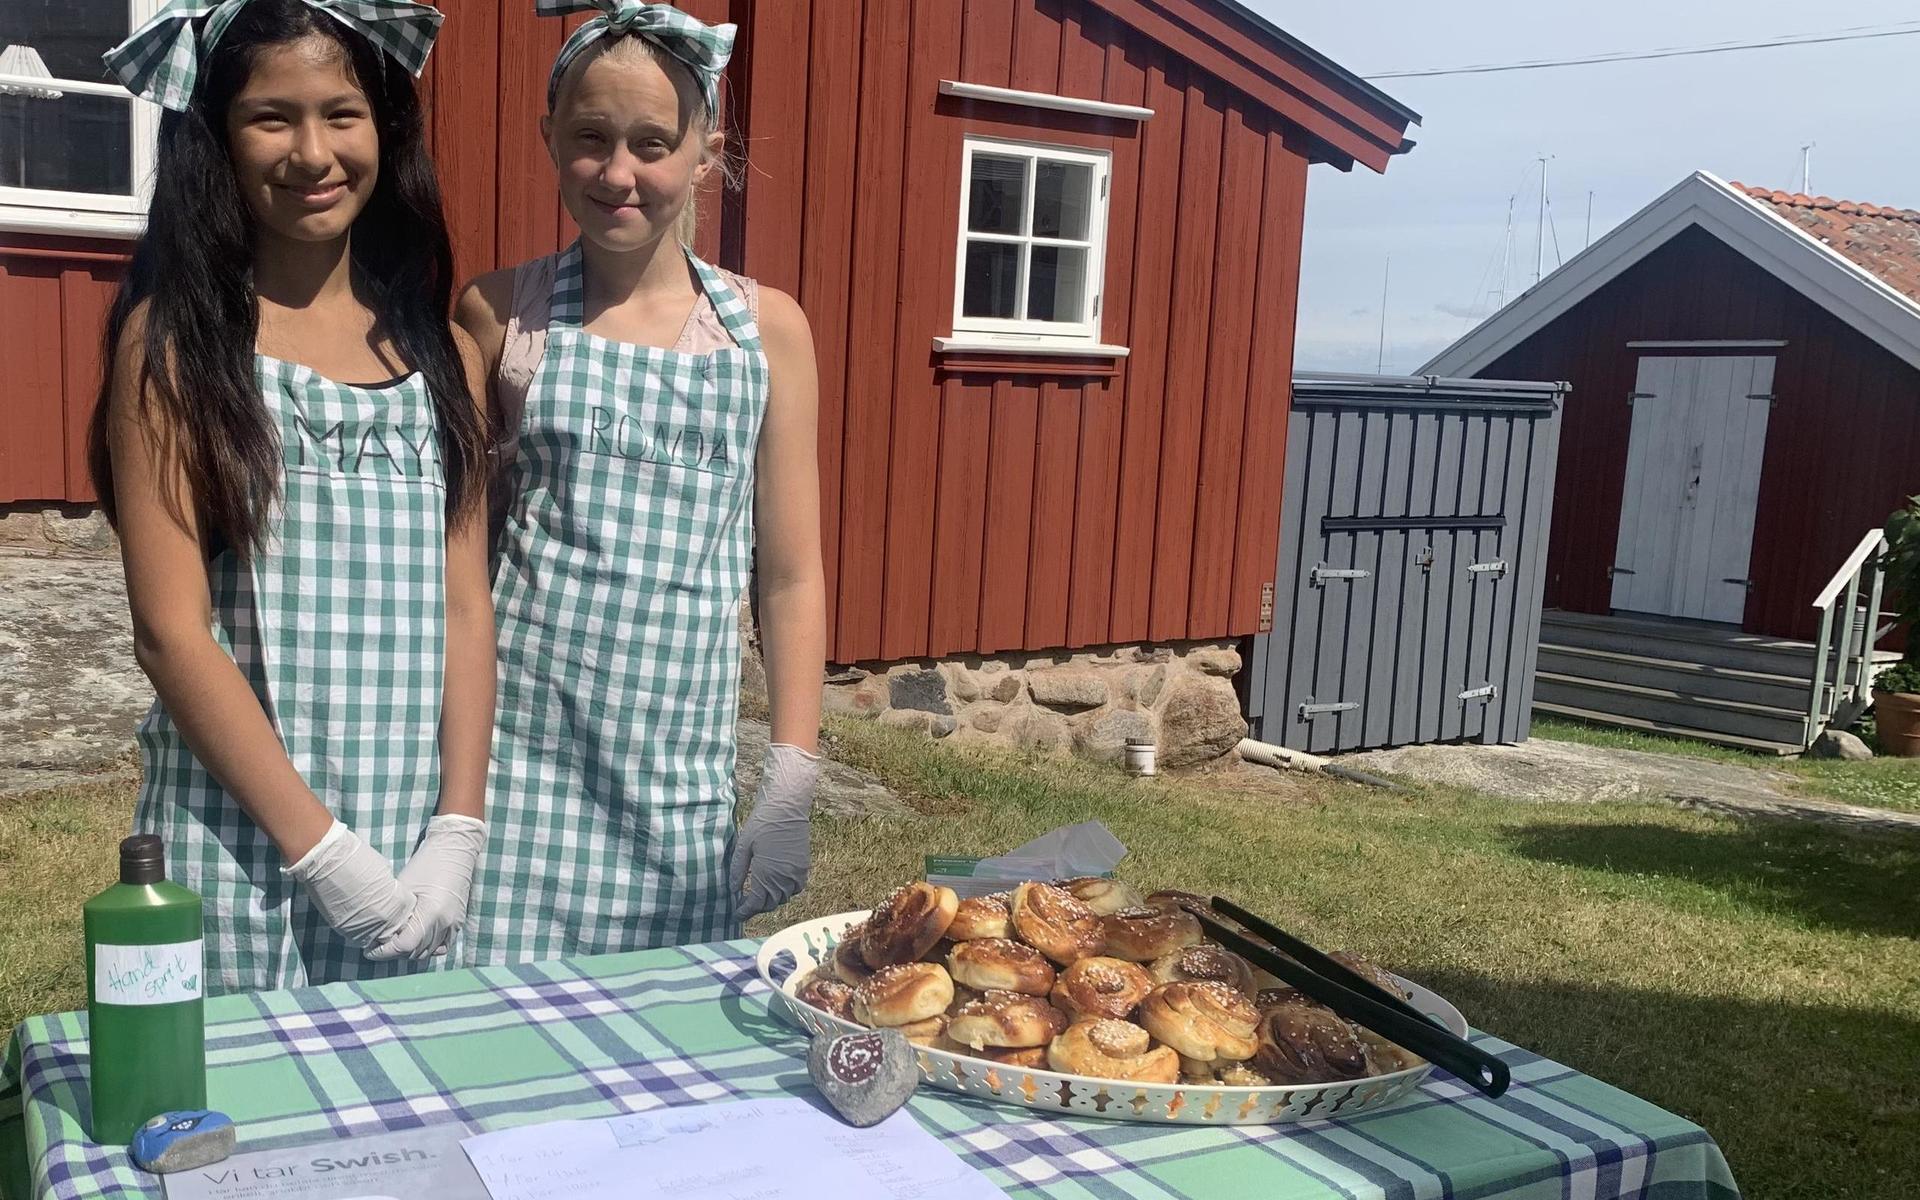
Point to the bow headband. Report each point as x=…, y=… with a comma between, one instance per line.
x=161, y=60
x=703, y=48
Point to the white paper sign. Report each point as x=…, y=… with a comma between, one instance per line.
x=165, y=974
x=749, y=1150
x=421, y=1164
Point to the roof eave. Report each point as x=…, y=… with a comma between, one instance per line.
x=1751, y=227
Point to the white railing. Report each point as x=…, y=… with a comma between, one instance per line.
x=1843, y=679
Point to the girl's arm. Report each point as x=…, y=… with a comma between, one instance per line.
x=466, y=708
x=791, y=607
x=164, y=552
x=165, y=556
x=772, y=854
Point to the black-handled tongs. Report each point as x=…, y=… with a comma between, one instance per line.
x=1353, y=996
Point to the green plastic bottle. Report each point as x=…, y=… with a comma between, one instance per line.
x=146, y=1016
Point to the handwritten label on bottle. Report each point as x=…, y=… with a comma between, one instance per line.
x=165, y=974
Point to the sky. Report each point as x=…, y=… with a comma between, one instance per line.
x=1624, y=132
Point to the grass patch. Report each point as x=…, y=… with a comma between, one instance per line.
x=57, y=849
x=1761, y=978
x=1890, y=783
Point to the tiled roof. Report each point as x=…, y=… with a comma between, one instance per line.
x=1885, y=241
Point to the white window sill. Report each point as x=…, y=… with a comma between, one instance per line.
x=986, y=344
x=70, y=222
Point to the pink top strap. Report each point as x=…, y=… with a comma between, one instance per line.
x=526, y=342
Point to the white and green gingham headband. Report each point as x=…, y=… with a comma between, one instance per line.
x=161, y=60
x=704, y=48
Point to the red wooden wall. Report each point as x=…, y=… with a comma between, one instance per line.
x=1843, y=440
x=970, y=504
x=979, y=506
x=54, y=296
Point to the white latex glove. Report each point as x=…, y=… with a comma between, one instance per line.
x=353, y=887
x=772, y=853
x=440, y=877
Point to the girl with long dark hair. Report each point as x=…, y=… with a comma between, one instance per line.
x=664, y=415
x=289, y=446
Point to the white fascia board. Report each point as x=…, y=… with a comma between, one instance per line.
x=1751, y=227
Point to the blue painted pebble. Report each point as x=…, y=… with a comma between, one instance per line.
x=182, y=1141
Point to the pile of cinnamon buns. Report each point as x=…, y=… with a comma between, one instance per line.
x=1087, y=977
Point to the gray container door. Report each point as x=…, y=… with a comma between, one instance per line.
x=1406, y=600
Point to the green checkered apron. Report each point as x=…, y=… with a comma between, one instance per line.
x=338, y=624
x=628, y=545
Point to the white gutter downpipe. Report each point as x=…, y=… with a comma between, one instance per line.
x=1267, y=754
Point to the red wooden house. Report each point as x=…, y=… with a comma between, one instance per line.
x=1746, y=377
x=1049, y=248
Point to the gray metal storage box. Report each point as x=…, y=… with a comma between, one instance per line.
x=1412, y=549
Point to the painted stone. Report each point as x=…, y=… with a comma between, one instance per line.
x=183, y=1141
x=866, y=1076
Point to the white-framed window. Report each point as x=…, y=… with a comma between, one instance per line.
x=1032, y=246
x=76, y=151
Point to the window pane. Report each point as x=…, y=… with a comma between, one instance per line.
x=998, y=194
x=73, y=144
x=993, y=281
x=68, y=35
x=1058, y=290
x=1063, y=200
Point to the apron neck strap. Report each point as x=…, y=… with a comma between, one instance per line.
x=570, y=296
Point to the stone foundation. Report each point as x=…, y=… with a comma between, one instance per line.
x=67, y=530
x=1091, y=703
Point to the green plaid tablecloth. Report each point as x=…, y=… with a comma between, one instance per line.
x=504, y=1046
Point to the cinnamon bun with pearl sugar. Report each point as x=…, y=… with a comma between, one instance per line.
x=979, y=917
x=1206, y=961
x=1204, y=1021
x=903, y=994
x=1103, y=896
x=1144, y=934
x=1055, y=924
x=1000, y=965
x=1006, y=1019
x=1109, y=1049
x=1101, y=987
x=907, y=924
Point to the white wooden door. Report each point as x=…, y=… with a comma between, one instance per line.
x=1692, y=487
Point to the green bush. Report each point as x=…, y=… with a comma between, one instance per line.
x=1903, y=677
x=1902, y=565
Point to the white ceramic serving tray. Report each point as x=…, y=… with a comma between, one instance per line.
x=787, y=956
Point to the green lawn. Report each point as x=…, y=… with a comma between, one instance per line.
x=1762, y=978
x=1891, y=783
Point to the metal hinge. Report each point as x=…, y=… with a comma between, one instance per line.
x=1425, y=559
x=1621, y=571
x=1097, y=301
x=1266, y=608
x=1489, y=692
x=1497, y=567
x=1323, y=572
x=1632, y=396
x=1310, y=710
x=1745, y=583
x=1769, y=397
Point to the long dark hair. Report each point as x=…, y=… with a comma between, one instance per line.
x=193, y=269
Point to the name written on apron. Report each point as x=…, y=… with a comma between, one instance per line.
x=659, y=442
x=373, y=448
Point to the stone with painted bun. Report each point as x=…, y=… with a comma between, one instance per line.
x=866, y=1076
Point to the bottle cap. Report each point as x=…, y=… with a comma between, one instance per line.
x=143, y=859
